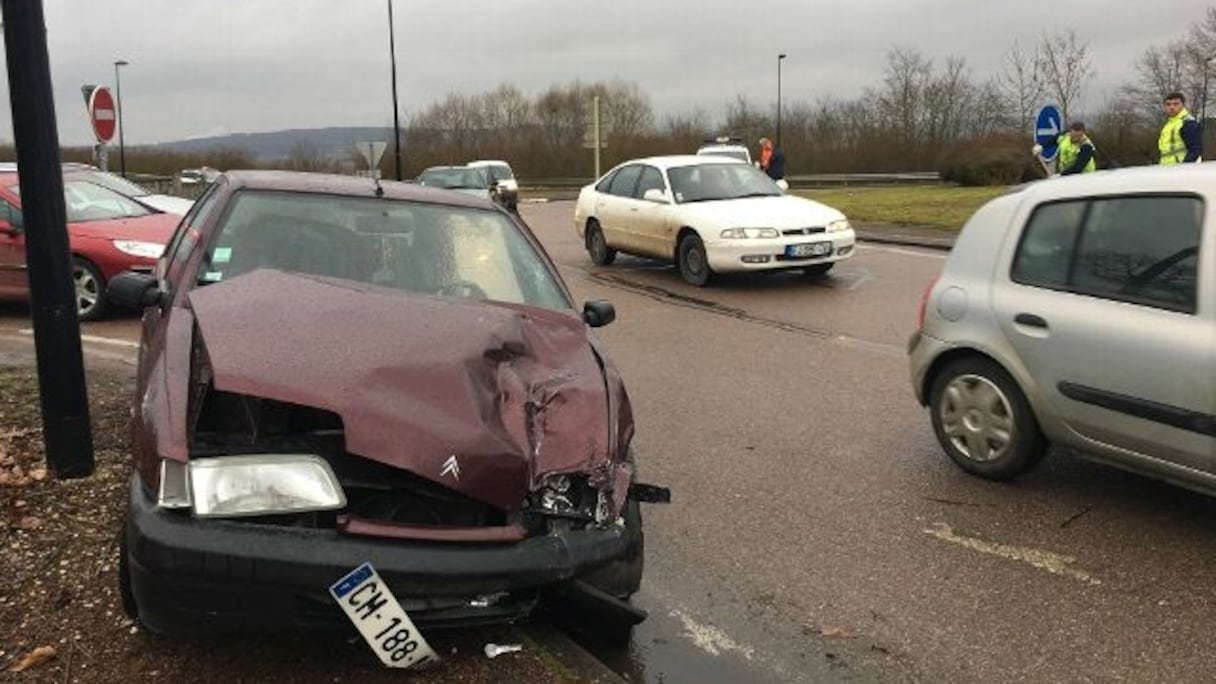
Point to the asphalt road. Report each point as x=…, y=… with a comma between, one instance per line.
x=817, y=531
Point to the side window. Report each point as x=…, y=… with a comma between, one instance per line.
x=1045, y=252
x=11, y=214
x=603, y=185
x=1143, y=250
x=186, y=236
x=625, y=181
x=651, y=180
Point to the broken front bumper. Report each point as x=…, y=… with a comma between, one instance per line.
x=192, y=576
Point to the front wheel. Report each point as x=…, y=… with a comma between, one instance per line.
x=597, y=246
x=90, y=290
x=983, y=420
x=692, y=261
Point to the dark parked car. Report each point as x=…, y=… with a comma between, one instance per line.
x=334, y=372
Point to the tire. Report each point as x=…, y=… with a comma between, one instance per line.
x=817, y=270
x=597, y=246
x=623, y=577
x=90, y=290
x=124, y=577
x=692, y=261
x=983, y=421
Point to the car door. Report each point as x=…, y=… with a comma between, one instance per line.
x=615, y=208
x=1106, y=305
x=14, y=277
x=651, y=219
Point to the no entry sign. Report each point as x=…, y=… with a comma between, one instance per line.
x=101, y=113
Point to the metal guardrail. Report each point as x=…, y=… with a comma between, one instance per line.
x=800, y=180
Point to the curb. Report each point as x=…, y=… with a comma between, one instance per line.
x=938, y=245
x=569, y=656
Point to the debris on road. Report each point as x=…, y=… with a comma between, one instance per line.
x=34, y=658
x=836, y=632
x=495, y=650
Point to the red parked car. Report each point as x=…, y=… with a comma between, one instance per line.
x=108, y=233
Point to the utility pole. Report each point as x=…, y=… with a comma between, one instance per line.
x=779, y=58
x=595, y=126
x=64, y=399
x=122, y=146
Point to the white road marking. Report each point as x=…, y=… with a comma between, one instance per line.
x=905, y=252
x=1055, y=563
x=94, y=339
x=709, y=638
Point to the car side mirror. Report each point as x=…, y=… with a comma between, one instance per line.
x=655, y=195
x=135, y=290
x=598, y=313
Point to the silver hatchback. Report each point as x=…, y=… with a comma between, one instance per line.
x=1079, y=312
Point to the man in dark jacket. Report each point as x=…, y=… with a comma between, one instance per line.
x=1181, y=139
x=772, y=159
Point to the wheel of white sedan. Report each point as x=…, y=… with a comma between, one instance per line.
x=597, y=246
x=692, y=261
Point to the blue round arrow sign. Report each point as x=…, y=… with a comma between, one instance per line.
x=1048, y=126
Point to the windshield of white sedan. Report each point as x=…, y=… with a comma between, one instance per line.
x=86, y=202
x=426, y=248
x=709, y=182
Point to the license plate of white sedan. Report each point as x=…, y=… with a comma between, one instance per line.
x=809, y=249
x=384, y=624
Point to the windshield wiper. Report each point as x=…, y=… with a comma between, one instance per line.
x=757, y=194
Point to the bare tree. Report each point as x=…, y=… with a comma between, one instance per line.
x=1064, y=64
x=901, y=100
x=1021, y=87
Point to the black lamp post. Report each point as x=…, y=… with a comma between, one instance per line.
x=122, y=148
x=779, y=58
x=392, y=58
x=1203, y=107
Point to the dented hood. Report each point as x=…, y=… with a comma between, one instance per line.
x=513, y=393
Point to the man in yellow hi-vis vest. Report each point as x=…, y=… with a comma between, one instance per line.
x=1181, y=139
x=1076, y=151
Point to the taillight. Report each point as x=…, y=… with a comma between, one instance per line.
x=924, y=303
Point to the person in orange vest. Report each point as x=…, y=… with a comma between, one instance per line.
x=772, y=159
x=766, y=153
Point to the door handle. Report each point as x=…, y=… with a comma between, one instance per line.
x=1030, y=320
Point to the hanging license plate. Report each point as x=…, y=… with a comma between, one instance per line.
x=384, y=624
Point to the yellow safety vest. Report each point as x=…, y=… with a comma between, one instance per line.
x=1070, y=151
x=1170, y=144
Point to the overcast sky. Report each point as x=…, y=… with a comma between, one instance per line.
x=208, y=67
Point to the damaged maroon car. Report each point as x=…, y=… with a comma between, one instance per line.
x=335, y=372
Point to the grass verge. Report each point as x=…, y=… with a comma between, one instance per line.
x=944, y=207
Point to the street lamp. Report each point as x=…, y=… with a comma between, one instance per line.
x=392, y=58
x=1203, y=105
x=122, y=148
x=779, y=58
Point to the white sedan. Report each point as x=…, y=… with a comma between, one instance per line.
x=708, y=215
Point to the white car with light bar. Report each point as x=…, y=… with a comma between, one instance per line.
x=726, y=146
x=708, y=215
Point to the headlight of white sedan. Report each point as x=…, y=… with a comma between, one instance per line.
x=150, y=250
x=253, y=484
x=837, y=226
x=745, y=233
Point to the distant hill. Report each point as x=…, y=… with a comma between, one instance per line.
x=337, y=141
